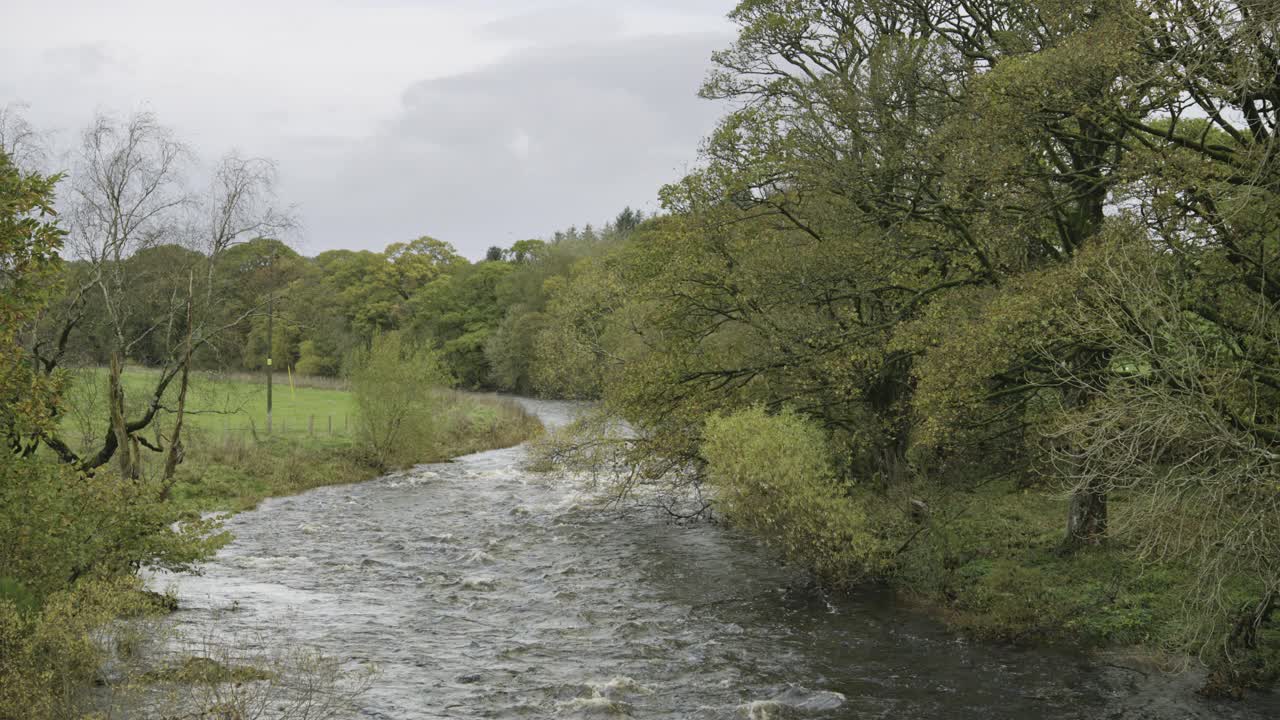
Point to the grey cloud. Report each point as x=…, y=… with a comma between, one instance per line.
x=557, y=24
x=82, y=59
x=541, y=140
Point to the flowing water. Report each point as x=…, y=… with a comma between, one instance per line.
x=481, y=590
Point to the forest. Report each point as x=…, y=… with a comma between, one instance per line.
x=976, y=300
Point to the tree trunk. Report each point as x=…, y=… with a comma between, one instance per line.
x=1087, y=512
x=176, y=450
x=125, y=452
x=1086, y=519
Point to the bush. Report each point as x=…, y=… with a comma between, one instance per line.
x=396, y=390
x=72, y=543
x=48, y=656
x=774, y=476
x=58, y=526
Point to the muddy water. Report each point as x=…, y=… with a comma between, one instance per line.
x=482, y=591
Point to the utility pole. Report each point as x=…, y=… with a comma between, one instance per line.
x=271, y=308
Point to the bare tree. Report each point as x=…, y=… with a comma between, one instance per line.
x=240, y=205
x=129, y=195
x=19, y=140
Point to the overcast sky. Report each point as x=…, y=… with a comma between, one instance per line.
x=480, y=122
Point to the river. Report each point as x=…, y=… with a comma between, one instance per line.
x=481, y=590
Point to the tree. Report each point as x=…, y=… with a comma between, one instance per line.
x=72, y=542
x=628, y=220
x=129, y=225
x=457, y=313
x=1186, y=425
x=524, y=251
x=414, y=264
x=19, y=141
x=776, y=476
x=127, y=198
x=893, y=234
x=239, y=206
x=30, y=241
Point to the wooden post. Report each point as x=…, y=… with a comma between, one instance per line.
x=311, y=426
x=330, y=425
x=271, y=311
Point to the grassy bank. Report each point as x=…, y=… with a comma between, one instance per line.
x=988, y=555
x=990, y=565
x=232, y=462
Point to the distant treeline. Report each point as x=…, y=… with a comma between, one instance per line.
x=483, y=317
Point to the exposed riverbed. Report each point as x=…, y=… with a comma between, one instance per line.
x=481, y=590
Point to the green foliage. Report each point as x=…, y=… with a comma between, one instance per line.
x=935, y=262
x=991, y=556
x=314, y=361
x=773, y=475
x=48, y=656
x=75, y=533
x=30, y=240
x=509, y=349
x=457, y=314
x=59, y=526
x=395, y=387
x=1036, y=248
x=72, y=541
x=416, y=264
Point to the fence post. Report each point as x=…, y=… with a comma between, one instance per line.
x=311, y=426
x=331, y=425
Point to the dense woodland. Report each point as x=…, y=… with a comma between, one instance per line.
x=481, y=317
x=980, y=299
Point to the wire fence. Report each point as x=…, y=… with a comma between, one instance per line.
x=287, y=424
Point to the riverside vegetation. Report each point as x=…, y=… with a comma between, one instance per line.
x=108, y=471
x=975, y=299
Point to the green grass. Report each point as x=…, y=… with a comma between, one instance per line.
x=990, y=566
x=994, y=561
x=232, y=462
x=217, y=404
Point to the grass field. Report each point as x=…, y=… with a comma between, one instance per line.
x=218, y=406
x=232, y=462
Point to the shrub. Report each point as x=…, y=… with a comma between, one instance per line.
x=47, y=656
x=58, y=526
x=773, y=475
x=395, y=387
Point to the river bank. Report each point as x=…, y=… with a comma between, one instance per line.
x=235, y=473
x=232, y=460
x=480, y=589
